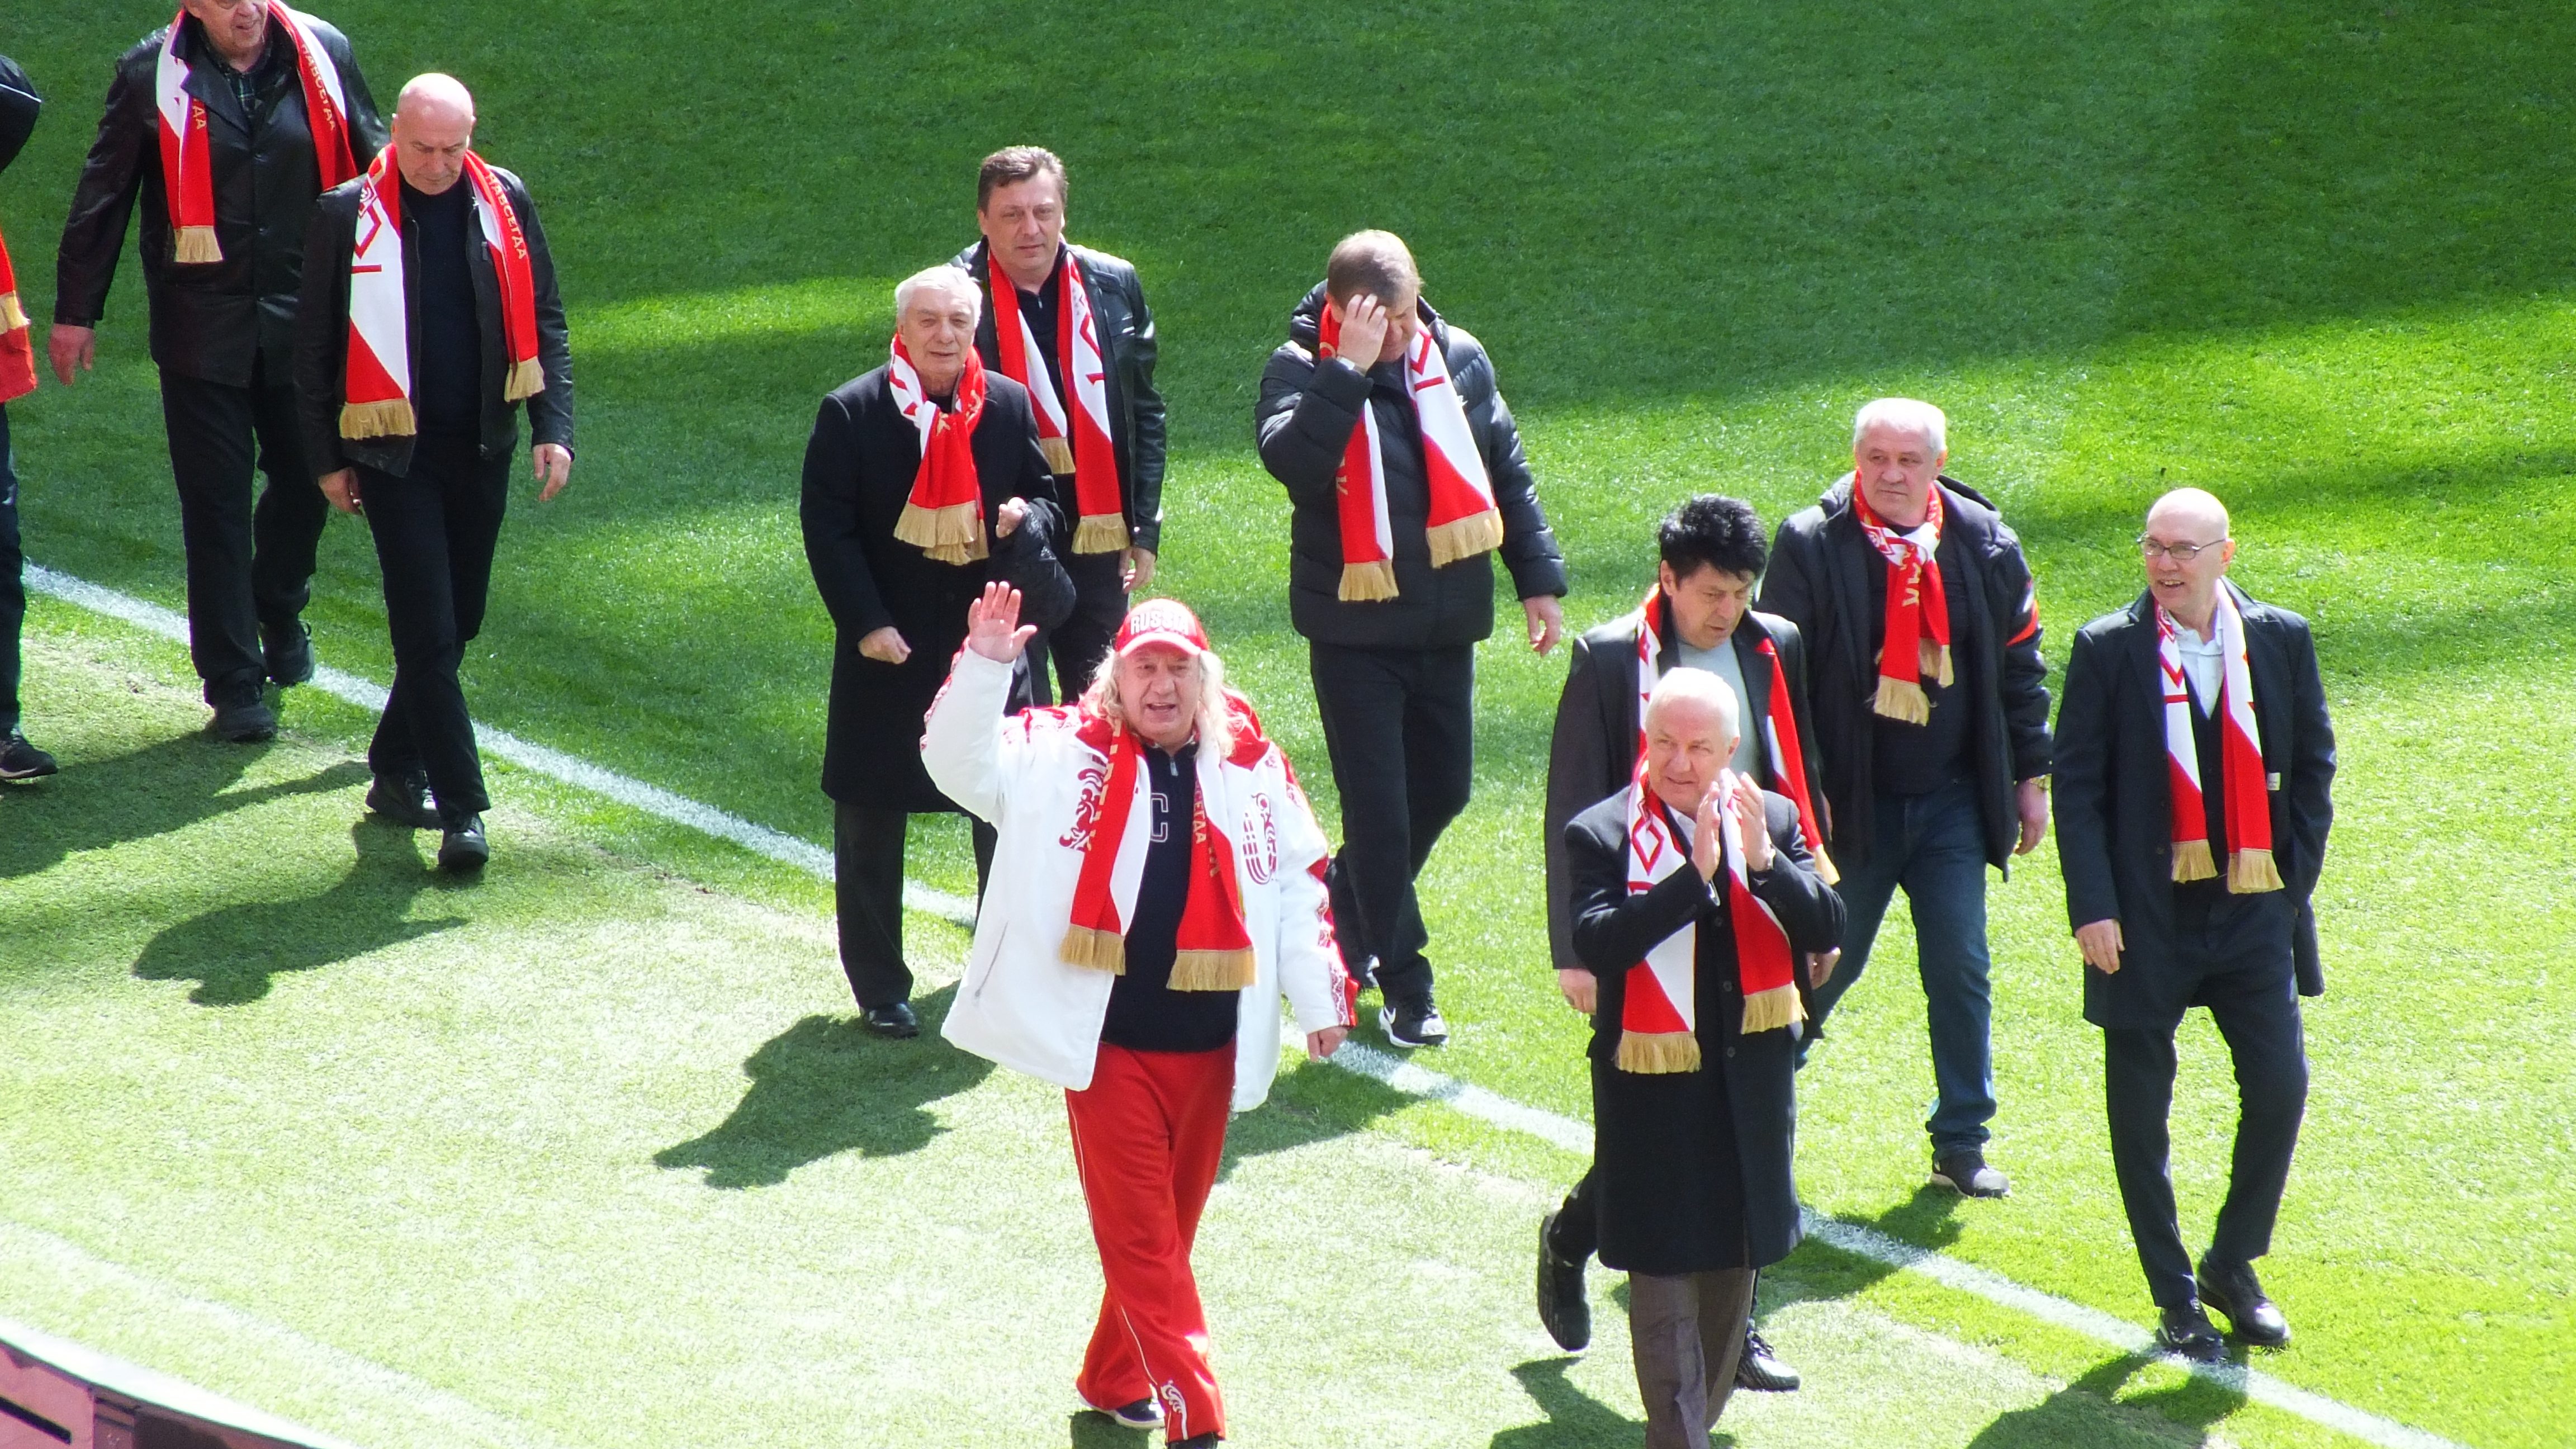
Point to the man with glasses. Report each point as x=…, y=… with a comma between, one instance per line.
x=2194, y=768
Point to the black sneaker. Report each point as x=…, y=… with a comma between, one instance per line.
x=463, y=849
x=246, y=722
x=289, y=653
x=1759, y=1369
x=1142, y=1414
x=20, y=760
x=1413, y=1024
x=404, y=800
x=1966, y=1173
x=1562, y=1309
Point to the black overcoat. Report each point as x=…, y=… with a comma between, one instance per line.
x=859, y=468
x=1818, y=578
x=1671, y=1199
x=2115, y=802
x=1594, y=747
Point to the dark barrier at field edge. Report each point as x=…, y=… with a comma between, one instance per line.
x=57, y=1395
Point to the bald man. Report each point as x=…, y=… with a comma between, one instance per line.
x=429, y=318
x=2194, y=768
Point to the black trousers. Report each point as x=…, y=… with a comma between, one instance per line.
x=1399, y=725
x=1081, y=643
x=867, y=890
x=13, y=581
x=250, y=565
x=435, y=530
x=2249, y=990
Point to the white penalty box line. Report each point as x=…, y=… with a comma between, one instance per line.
x=1414, y=1081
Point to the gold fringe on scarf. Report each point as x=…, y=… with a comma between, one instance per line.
x=194, y=246
x=1825, y=870
x=1100, y=533
x=1903, y=699
x=1464, y=538
x=1936, y=661
x=1212, y=970
x=952, y=535
x=2251, y=871
x=1094, y=950
x=1365, y=582
x=1059, y=455
x=527, y=379
x=389, y=419
x=12, y=316
x=1773, y=1009
x=1651, y=1053
x=2192, y=860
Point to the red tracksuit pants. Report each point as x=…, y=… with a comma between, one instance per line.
x=1147, y=1137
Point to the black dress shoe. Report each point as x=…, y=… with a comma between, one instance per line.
x=1562, y=1308
x=20, y=760
x=2185, y=1330
x=1966, y=1173
x=246, y=722
x=463, y=847
x=2232, y=1289
x=288, y=653
x=404, y=800
x=1758, y=1369
x=892, y=1020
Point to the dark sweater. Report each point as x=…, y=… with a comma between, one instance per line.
x=449, y=349
x=1917, y=759
x=1145, y=1013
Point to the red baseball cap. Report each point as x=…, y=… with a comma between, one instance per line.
x=1161, y=621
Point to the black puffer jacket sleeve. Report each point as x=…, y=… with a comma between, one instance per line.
x=18, y=106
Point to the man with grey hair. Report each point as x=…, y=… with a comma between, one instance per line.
x=2195, y=769
x=1931, y=716
x=923, y=482
x=429, y=316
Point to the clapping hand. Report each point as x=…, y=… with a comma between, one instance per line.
x=993, y=627
x=1752, y=824
x=1707, y=850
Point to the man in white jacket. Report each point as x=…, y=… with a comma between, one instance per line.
x=1157, y=888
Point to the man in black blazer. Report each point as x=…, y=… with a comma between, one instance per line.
x=1696, y=1184
x=223, y=331
x=2145, y=685
x=1713, y=551
x=1934, y=763
x=433, y=488
x=900, y=612
x=1020, y=199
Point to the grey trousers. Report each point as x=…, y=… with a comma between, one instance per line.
x=1686, y=1332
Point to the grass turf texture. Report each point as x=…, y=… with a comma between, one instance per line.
x=2307, y=256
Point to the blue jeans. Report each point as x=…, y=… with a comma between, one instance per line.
x=1934, y=847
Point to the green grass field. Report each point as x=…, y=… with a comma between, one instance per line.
x=2312, y=257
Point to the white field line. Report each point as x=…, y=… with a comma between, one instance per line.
x=1474, y=1101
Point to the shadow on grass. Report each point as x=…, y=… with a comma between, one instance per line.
x=825, y=1086
x=2085, y=1412
x=147, y=792
x=1307, y=1105
x=1573, y=1416
x=236, y=952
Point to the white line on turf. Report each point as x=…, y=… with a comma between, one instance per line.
x=1402, y=1075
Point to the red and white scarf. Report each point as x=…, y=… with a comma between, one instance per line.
x=1918, y=609
x=187, y=167
x=1077, y=444
x=1213, y=947
x=1462, y=522
x=378, y=384
x=1659, y=1019
x=1788, y=757
x=17, y=339
x=944, y=516
x=2240, y=761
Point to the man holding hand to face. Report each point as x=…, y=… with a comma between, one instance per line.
x=429, y=318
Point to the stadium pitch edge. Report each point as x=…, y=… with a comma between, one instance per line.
x=1401, y=1075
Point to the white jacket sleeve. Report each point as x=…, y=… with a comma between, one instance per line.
x=962, y=743
x=1310, y=963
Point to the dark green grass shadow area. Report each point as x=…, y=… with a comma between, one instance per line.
x=235, y=953
x=1307, y=1105
x=161, y=787
x=2087, y=1411
x=825, y=1086
x=1573, y=1416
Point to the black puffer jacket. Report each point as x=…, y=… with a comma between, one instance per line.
x=210, y=321
x=18, y=106
x=1304, y=418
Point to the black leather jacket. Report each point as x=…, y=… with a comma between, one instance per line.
x=1127, y=343
x=217, y=320
x=322, y=338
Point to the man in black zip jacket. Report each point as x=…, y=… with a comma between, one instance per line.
x=1393, y=605
x=1020, y=208
x=434, y=487
x=1935, y=756
x=223, y=330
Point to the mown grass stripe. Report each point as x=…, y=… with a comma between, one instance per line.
x=1404, y=1076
